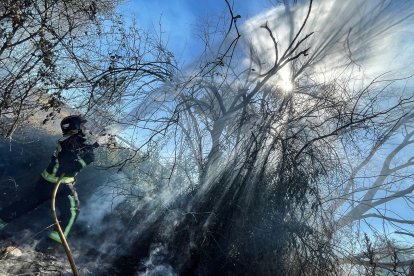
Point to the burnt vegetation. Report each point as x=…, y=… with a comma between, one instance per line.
x=261, y=179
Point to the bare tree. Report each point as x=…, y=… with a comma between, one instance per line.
x=79, y=54
x=377, y=187
x=31, y=37
x=264, y=155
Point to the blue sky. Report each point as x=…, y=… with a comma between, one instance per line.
x=179, y=19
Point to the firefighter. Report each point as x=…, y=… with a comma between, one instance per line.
x=70, y=157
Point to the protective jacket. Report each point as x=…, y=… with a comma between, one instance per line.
x=69, y=158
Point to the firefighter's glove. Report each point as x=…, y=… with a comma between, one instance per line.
x=88, y=157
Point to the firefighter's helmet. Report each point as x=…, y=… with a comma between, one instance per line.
x=72, y=124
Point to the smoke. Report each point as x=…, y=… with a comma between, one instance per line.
x=156, y=264
x=353, y=37
x=367, y=38
x=360, y=38
x=103, y=201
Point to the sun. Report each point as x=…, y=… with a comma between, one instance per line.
x=284, y=80
x=287, y=86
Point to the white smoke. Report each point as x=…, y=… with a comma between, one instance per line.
x=367, y=38
x=102, y=202
x=156, y=264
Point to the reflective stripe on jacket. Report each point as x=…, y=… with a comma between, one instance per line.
x=67, y=159
x=54, y=179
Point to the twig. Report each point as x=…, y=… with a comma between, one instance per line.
x=60, y=232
